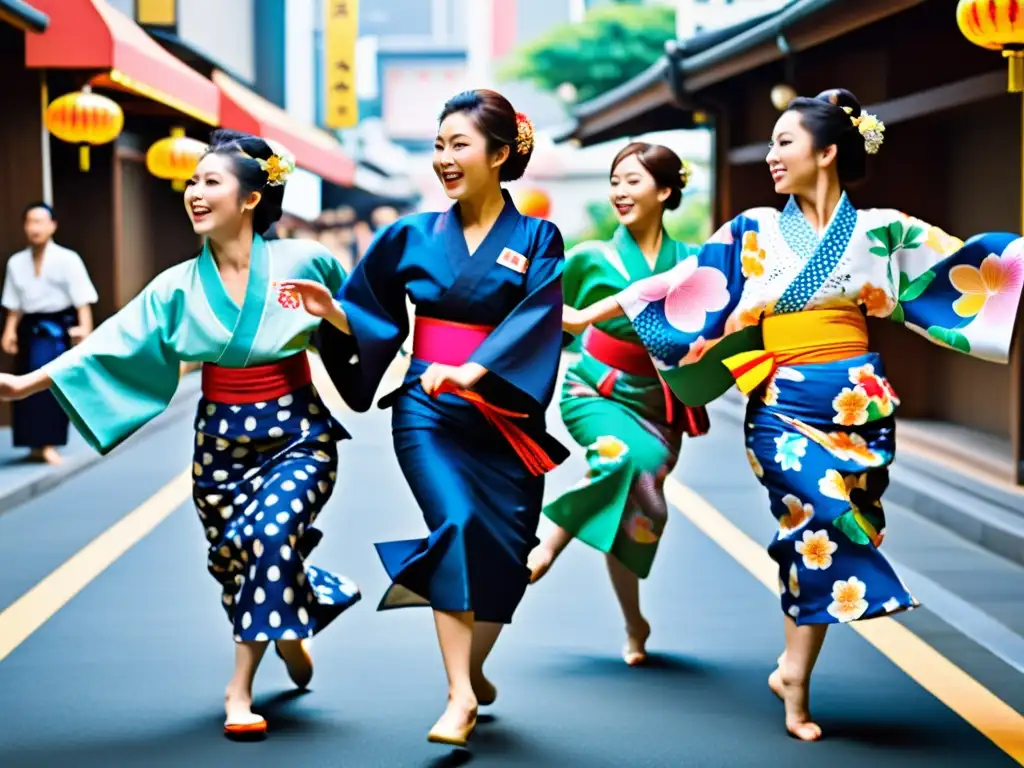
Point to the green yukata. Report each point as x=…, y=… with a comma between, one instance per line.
x=623, y=419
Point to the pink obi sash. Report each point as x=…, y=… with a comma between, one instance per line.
x=449, y=343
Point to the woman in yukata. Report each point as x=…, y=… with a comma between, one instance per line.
x=613, y=402
x=468, y=422
x=265, y=449
x=775, y=303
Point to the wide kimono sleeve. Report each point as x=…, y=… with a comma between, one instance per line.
x=373, y=299
x=525, y=348
x=961, y=295
x=124, y=373
x=681, y=315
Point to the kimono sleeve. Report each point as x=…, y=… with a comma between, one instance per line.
x=681, y=315
x=123, y=374
x=373, y=299
x=962, y=295
x=525, y=349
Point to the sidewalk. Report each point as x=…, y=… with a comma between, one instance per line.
x=21, y=480
x=957, y=487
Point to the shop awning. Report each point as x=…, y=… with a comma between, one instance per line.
x=91, y=35
x=315, y=151
x=23, y=16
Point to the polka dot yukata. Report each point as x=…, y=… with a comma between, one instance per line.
x=261, y=474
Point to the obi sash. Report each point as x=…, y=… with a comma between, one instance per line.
x=42, y=337
x=257, y=383
x=449, y=343
x=800, y=338
x=633, y=359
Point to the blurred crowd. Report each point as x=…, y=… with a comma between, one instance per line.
x=340, y=230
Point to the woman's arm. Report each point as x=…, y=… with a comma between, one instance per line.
x=575, y=321
x=20, y=387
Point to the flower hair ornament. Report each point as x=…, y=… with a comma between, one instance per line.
x=685, y=172
x=870, y=127
x=524, y=134
x=279, y=166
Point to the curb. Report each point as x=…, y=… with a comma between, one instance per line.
x=985, y=515
x=185, y=397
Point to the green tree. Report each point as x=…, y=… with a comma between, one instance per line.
x=613, y=44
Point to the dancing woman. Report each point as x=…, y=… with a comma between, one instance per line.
x=775, y=303
x=468, y=422
x=265, y=450
x=613, y=402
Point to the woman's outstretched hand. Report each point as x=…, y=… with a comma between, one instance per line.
x=19, y=387
x=314, y=298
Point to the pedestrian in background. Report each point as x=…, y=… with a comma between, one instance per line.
x=48, y=297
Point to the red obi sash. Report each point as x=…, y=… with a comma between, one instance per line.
x=257, y=383
x=633, y=359
x=449, y=343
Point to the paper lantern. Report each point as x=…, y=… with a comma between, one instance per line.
x=175, y=158
x=782, y=96
x=533, y=202
x=996, y=25
x=84, y=118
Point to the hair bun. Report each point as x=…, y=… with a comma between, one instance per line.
x=842, y=98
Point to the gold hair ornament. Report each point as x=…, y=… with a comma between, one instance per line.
x=685, y=172
x=279, y=166
x=870, y=127
x=524, y=134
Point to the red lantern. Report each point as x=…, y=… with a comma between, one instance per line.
x=84, y=118
x=175, y=158
x=533, y=202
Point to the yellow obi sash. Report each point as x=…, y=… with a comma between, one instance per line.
x=800, y=338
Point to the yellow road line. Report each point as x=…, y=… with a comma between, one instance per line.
x=35, y=607
x=990, y=715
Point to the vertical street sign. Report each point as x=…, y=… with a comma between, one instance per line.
x=341, y=28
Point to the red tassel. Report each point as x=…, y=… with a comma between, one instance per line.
x=533, y=456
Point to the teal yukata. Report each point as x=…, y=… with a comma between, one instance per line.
x=262, y=471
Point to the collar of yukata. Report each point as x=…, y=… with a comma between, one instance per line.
x=798, y=231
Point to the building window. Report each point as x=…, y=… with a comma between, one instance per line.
x=157, y=13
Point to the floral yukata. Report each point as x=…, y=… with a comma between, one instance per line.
x=771, y=307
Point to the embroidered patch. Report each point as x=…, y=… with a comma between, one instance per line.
x=288, y=299
x=514, y=261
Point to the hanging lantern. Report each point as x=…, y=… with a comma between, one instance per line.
x=84, y=118
x=175, y=158
x=995, y=24
x=782, y=96
x=533, y=202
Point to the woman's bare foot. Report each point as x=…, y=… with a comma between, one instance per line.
x=775, y=678
x=539, y=561
x=297, y=659
x=238, y=709
x=796, y=697
x=486, y=693
x=635, y=652
x=456, y=724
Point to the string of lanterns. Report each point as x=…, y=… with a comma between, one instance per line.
x=90, y=120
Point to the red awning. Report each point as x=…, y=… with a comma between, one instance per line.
x=315, y=151
x=91, y=35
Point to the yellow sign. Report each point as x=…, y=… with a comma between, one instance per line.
x=341, y=27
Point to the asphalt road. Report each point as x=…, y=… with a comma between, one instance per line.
x=131, y=670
